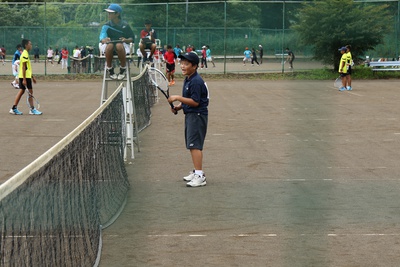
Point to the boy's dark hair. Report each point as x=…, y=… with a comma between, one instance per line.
x=24, y=42
x=169, y=46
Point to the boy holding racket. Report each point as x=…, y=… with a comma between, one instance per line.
x=194, y=102
x=25, y=80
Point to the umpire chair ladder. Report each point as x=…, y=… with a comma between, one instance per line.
x=132, y=135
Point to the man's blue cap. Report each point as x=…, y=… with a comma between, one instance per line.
x=114, y=8
x=343, y=48
x=191, y=57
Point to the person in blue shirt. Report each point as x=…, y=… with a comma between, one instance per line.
x=16, y=57
x=247, y=56
x=115, y=36
x=177, y=51
x=194, y=103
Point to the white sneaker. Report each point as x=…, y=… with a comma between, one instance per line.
x=189, y=177
x=198, y=180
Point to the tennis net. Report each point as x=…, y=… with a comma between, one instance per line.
x=53, y=211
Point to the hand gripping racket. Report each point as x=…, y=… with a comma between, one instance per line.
x=35, y=102
x=160, y=81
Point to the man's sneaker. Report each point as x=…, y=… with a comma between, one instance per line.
x=189, y=177
x=122, y=73
x=15, y=111
x=198, y=180
x=151, y=59
x=111, y=74
x=342, y=89
x=173, y=82
x=34, y=111
x=349, y=88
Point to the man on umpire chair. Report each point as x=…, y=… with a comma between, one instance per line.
x=115, y=37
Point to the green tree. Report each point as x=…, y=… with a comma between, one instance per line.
x=330, y=24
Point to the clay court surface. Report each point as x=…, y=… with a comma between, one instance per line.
x=298, y=174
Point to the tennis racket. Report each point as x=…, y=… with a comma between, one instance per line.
x=338, y=82
x=35, y=102
x=160, y=81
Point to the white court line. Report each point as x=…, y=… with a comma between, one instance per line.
x=284, y=235
x=354, y=93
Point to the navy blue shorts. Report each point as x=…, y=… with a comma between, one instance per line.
x=195, y=130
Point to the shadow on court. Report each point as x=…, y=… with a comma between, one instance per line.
x=298, y=174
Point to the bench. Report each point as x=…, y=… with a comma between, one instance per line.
x=385, y=65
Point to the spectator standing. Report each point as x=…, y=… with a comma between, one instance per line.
x=3, y=54
x=50, y=54
x=57, y=55
x=178, y=51
x=290, y=58
x=204, y=57
x=15, y=66
x=36, y=53
x=261, y=51
x=209, y=56
x=64, y=58
x=83, y=58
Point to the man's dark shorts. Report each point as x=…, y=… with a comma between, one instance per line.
x=170, y=67
x=343, y=74
x=195, y=130
x=147, y=43
x=28, y=84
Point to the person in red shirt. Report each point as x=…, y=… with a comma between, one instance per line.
x=204, y=57
x=169, y=58
x=148, y=38
x=64, y=58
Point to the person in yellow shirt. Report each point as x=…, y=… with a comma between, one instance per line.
x=349, y=64
x=25, y=80
x=343, y=68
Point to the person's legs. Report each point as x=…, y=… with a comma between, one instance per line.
x=152, y=50
x=109, y=52
x=142, y=47
x=121, y=54
x=197, y=159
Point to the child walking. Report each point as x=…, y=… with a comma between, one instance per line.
x=25, y=80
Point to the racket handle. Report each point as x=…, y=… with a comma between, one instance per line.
x=172, y=106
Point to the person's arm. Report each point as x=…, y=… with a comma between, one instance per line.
x=184, y=100
x=103, y=35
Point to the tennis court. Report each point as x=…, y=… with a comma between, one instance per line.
x=298, y=175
